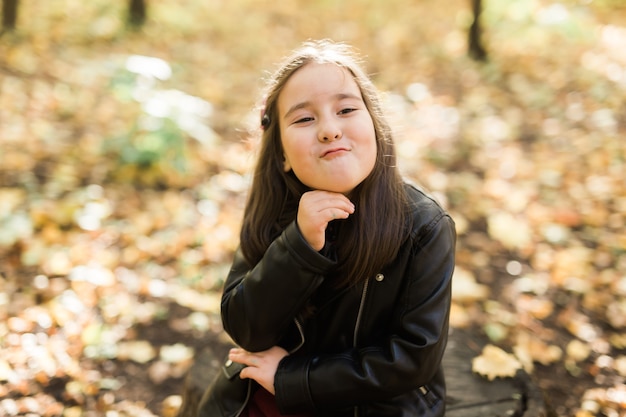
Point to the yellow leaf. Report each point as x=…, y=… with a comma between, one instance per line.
x=171, y=405
x=459, y=316
x=537, y=350
x=513, y=232
x=465, y=289
x=140, y=351
x=495, y=363
x=577, y=350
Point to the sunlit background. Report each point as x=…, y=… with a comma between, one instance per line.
x=125, y=157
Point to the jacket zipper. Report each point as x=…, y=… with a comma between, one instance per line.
x=424, y=389
x=299, y=326
x=360, y=313
x=358, y=323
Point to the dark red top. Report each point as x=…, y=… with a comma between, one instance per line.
x=263, y=404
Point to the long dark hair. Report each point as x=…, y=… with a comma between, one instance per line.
x=372, y=236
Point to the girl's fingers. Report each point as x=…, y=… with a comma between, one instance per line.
x=322, y=200
x=247, y=372
x=318, y=208
x=261, y=366
x=326, y=209
x=337, y=214
x=342, y=204
x=241, y=356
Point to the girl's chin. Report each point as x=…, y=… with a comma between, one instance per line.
x=344, y=185
x=335, y=188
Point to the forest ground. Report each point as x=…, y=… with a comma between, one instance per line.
x=122, y=180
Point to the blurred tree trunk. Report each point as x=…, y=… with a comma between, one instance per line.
x=137, y=12
x=9, y=14
x=475, y=46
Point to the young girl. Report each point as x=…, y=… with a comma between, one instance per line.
x=339, y=294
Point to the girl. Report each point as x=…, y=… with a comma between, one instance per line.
x=339, y=293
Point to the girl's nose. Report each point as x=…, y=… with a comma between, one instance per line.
x=329, y=132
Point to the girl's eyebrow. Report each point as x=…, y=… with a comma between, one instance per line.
x=295, y=107
x=304, y=104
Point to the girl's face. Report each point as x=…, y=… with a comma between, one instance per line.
x=326, y=131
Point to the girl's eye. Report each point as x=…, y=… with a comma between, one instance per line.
x=304, y=120
x=347, y=110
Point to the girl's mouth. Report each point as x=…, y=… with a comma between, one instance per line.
x=334, y=151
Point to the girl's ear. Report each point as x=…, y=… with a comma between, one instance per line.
x=286, y=164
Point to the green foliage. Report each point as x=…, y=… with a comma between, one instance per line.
x=526, y=150
x=153, y=148
x=535, y=22
x=148, y=148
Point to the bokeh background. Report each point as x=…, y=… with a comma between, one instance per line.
x=125, y=155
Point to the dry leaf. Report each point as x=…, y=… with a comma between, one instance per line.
x=176, y=353
x=465, y=289
x=140, y=351
x=555, y=203
x=539, y=308
x=577, y=350
x=459, y=316
x=620, y=365
x=512, y=231
x=494, y=363
x=171, y=405
x=537, y=350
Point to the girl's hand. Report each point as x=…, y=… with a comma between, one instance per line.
x=261, y=366
x=318, y=208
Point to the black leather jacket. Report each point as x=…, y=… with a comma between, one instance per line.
x=371, y=350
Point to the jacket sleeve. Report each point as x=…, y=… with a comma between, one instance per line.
x=408, y=357
x=260, y=303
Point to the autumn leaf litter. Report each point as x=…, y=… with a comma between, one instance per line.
x=95, y=241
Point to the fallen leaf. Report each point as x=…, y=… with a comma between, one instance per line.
x=536, y=349
x=620, y=365
x=494, y=363
x=465, y=289
x=512, y=231
x=459, y=316
x=171, y=405
x=577, y=350
x=140, y=351
x=176, y=353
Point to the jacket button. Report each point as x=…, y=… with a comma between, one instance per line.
x=379, y=277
